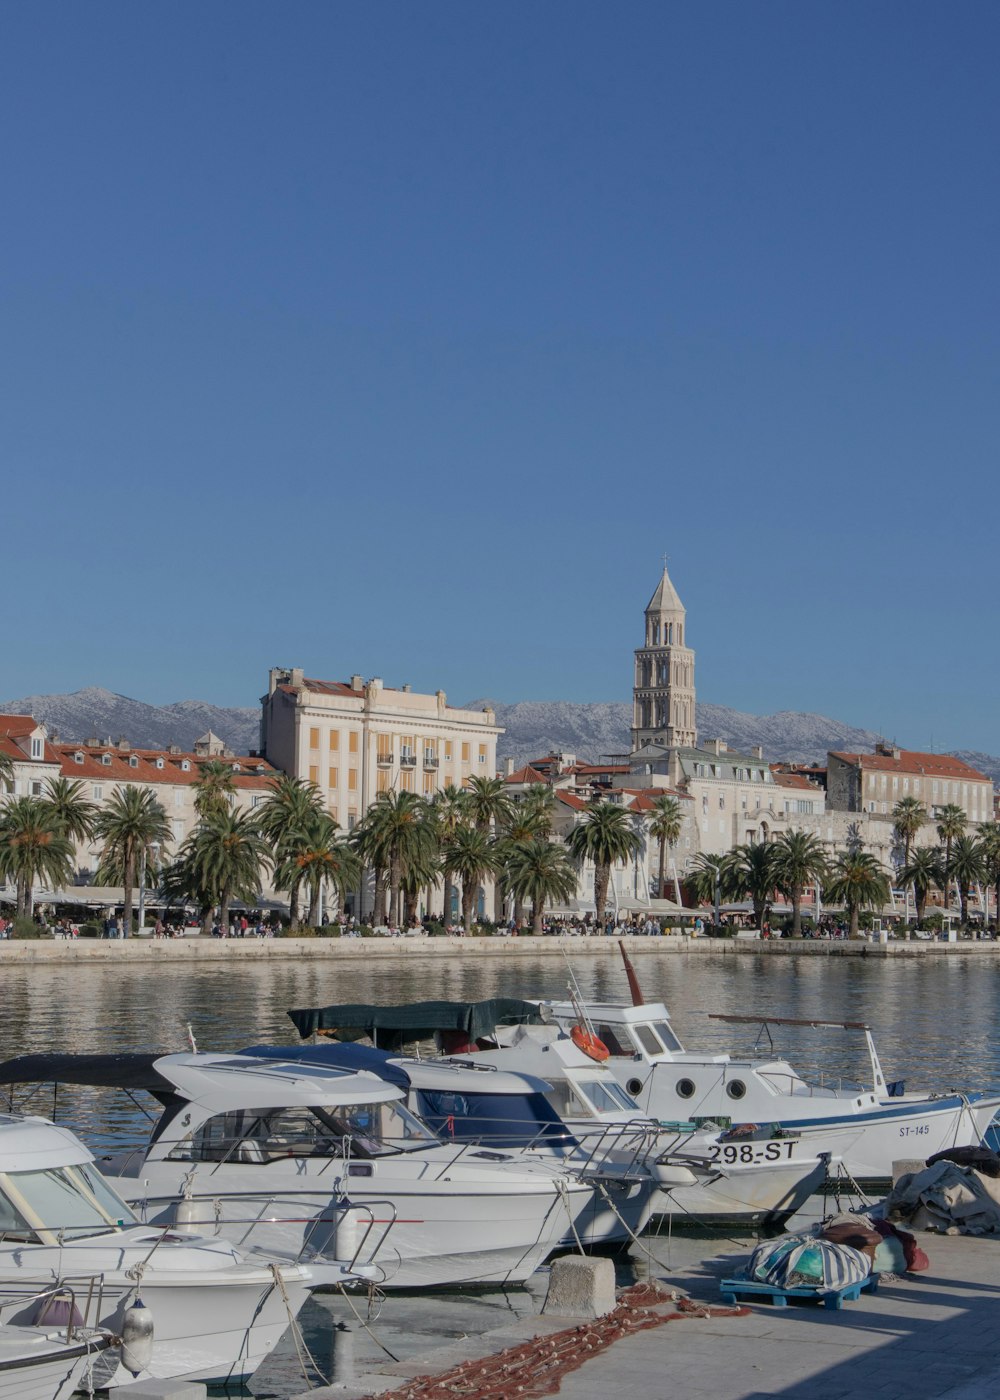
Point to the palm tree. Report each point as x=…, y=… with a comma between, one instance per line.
x=472, y=856
x=214, y=787
x=710, y=874
x=398, y=836
x=924, y=872
x=74, y=814
x=451, y=810
x=989, y=844
x=540, y=870
x=283, y=818
x=908, y=816
x=131, y=823
x=799, y=861
x=530, y=818
x=951, y=823
x=754, y=871
x=227, y=852
x=489, y=803
x=967, y=867
x=858, y=882
x=320, y=856
x=665, y=827
x=606, y=836
x=6, y=774
x=33, y=847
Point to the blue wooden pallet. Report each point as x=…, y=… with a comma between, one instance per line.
x=731, y=1288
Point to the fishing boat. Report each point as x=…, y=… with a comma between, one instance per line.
x=44, y=1363
x=194, y=1307
x=667, y=1081
x=301, y=1151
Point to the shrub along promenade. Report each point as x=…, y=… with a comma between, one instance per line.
x=18, y=952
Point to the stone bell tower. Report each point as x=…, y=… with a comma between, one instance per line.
x=663, y=693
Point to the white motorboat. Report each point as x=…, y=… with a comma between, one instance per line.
x=669, y=1082
x=302, y=1150
x=757, y=1177
x=43, y=1363
x=65, y=1235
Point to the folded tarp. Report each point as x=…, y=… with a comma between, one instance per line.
x=333, y=1056
x=126, y=1071
x=393, y=1026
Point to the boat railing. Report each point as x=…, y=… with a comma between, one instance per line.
x=637, y=1137
x=87, y=1289
x=218, y=1217
x=793, y=1083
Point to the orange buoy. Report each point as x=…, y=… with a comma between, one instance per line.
x=589, y=1043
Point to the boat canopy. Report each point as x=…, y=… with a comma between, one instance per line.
x=394, y=1026
x=131, y=1071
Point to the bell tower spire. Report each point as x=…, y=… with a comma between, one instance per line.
x=663, y=697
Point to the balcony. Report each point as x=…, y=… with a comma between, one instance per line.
x=407, y=759
x=384, y=760
x=431, y=760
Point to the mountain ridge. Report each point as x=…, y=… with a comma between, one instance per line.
x=533, y=728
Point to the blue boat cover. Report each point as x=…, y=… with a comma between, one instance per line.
x=343, y=1057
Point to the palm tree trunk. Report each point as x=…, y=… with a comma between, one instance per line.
x=227, y=894
x=23, y=897
x=468, y=898
x=963, y=895
x=314, y=905
x=661, y=876
x=796, y=913
x=206, y=919
x=854, y=920
x=537, y=910
x=394, y=881
x=410, y=913
x=921, y=905
x=293, y=903
x=127, y=903
x=518, y=910
x=602, y=875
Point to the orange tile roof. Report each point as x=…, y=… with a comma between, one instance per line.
x=795, y=780
x=527, y=774
x=935, y=765
x=571, y=800
x=17, y=726
x=144, y=770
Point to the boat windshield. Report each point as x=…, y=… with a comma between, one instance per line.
x=495, y=1120
x=257, y=1136
x=70, y=1202
x=607, y=1096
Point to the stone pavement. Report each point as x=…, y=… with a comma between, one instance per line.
x=925, y=1337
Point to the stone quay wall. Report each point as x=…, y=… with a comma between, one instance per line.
x=17, y=953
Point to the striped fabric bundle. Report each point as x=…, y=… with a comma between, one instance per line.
x=803, y=1261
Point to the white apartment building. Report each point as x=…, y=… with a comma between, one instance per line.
x=355, y=739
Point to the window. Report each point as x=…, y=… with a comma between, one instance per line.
x=37, y=748
x=159, y=762
x=352, y=780
x=185, y=765
x=133, y=761
x=352, y=741
x=313, y=773
x=685, y=1088
x=406, y=780
x=333, y=777
x=428, y=784
x=177, y=823
x=647, y=1039
x=314, y=738
x=482, y=753
x=36, y=789
x=465, y=753
x=383, y=744
x=383, y=780
x=78, y=757
x=257, y=800
x=334, y=740
x=74, y=1201
x=106, y=759
x=609, y=1036
x=178, y=797
x=256, y=1136
x=97, y=792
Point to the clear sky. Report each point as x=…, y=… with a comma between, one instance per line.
x=405, y=338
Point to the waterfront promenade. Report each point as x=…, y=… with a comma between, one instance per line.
x=21, y=953
x=929, y=1336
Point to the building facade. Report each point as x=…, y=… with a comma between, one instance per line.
x=355, y=739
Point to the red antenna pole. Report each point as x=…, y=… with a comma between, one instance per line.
x=633, y=981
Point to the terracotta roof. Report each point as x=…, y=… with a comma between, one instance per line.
x=17, y=725
x=527, y=774
x=584, y=768
x=795, y=780
x=571, y=800
x=935, y=765
x=145, y=770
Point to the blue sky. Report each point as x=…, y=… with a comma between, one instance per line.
x=404, y=339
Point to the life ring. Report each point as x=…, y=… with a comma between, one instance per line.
x=589, y=1043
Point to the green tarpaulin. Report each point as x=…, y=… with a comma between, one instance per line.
x=393, y=1026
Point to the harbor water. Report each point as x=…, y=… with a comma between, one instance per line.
x=934, y=1022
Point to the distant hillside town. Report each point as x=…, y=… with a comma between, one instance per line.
x=359, y=747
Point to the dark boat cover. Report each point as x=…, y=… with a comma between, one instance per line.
x=393, y=1026
x=133, y=1071
x=334, y=1056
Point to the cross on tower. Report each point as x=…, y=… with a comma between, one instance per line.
x=665, y=558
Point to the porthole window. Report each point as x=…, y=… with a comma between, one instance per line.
x=685, y=1088
x=736, y=1088
x=634, y=1086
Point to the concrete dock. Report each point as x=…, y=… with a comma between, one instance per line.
x=921, y=1337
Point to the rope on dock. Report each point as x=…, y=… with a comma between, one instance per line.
x=535, y=1368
